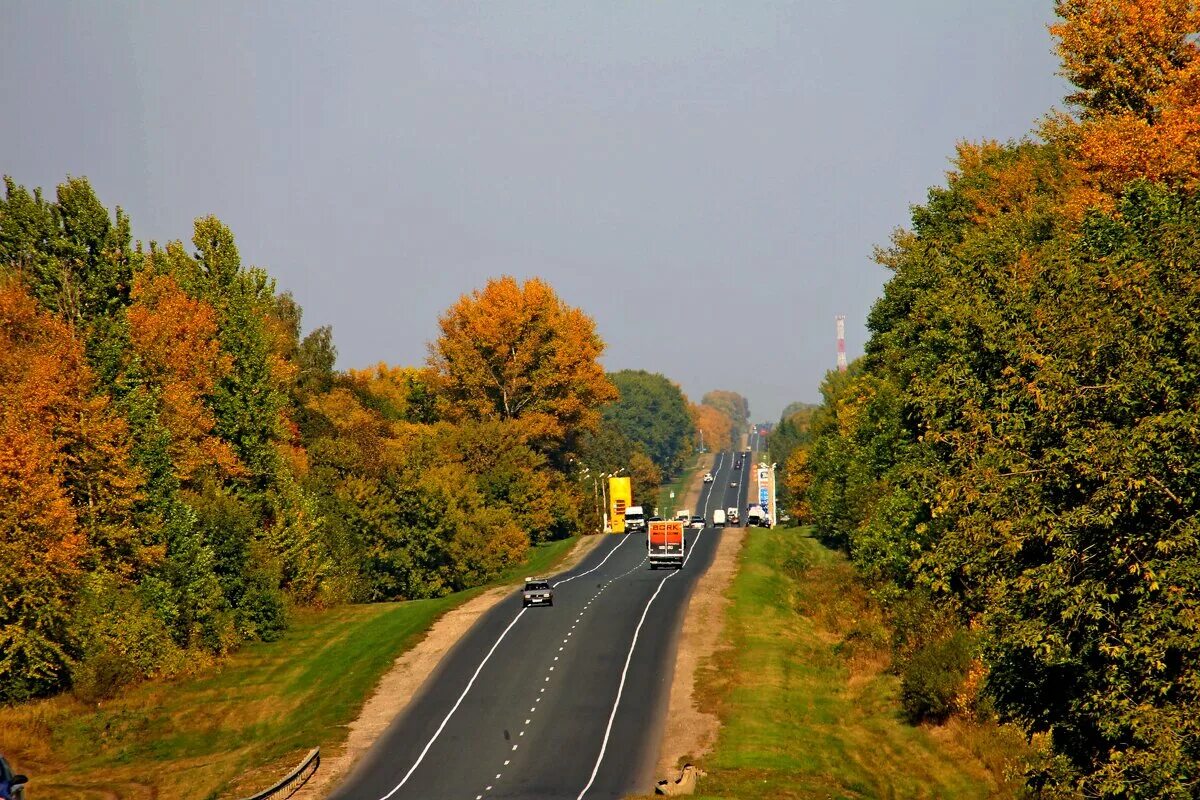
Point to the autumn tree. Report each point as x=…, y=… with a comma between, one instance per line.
x=1122, y=55
x=1136, y=68
x=513, y=351
x=66, y=488
x=713, y=426
x=732, y=405
x=174, y=338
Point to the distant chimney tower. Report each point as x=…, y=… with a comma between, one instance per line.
x=841, y=336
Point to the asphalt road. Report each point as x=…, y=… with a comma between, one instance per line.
x=562, y=702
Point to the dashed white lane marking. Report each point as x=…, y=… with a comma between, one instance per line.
x=565, y=641
x=457, y=703
x=624, y=539
x=625, y=672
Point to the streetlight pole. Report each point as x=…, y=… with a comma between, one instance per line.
x=604, y=476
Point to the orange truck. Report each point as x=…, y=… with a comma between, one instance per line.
x=665, y=543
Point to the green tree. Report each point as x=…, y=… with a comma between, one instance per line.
x=653, y=412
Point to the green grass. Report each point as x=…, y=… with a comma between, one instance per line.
x=807, y=707
x=245, y=720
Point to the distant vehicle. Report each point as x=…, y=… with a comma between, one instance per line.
x=756, y=516
x=708, y=477
x=12, y=785
x=537, y=593
x=683, y=515
x=737, y=465
x=733, y=484
x=718, y=519
x=731, y=515
x=697, y=521
x=635, y=519
x=665, y=544
x=655, y=519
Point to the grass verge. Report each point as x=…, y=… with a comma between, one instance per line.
x=210, y=735
x=807, y=707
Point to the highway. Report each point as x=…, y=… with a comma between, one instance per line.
x=561, y=702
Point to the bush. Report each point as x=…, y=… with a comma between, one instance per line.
x=102, y=674
x=935, y=676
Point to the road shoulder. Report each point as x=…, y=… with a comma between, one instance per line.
x=400, y=684
x=690, y=732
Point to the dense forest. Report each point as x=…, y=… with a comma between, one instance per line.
x=179, y=465
x=1014, y=461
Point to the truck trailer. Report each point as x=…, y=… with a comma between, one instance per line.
x=666, y=543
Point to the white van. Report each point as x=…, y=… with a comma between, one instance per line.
x=635, y=519
x=718, y=519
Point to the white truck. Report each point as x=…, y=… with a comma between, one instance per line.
x=683, y=515
x=718, y=518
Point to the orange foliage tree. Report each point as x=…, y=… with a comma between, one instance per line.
x=66, y=486
x=175, y=339
x=713, y=426
x=1136, y=65
x=516, y=351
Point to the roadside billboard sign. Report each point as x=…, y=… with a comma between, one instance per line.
x=620, y=497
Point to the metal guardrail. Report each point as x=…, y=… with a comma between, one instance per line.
x=294, y=780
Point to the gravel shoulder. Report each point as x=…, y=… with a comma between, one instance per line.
x=690, y=732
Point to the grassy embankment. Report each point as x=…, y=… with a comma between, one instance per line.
x=237, y=727
x=807, y=706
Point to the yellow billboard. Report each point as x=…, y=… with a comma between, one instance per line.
x=620, y=497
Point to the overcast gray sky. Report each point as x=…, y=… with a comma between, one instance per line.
x=707, y=180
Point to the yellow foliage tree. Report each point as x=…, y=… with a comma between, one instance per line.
x=516, y=351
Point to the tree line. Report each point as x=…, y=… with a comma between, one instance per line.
x=1014, y=461
x=179, y=465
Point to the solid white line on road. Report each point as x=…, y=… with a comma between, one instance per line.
x=624, y=539
x=457, y=703
x=625, y=672
x=716, y=479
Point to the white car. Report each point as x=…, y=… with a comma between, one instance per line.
x=708, y=477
